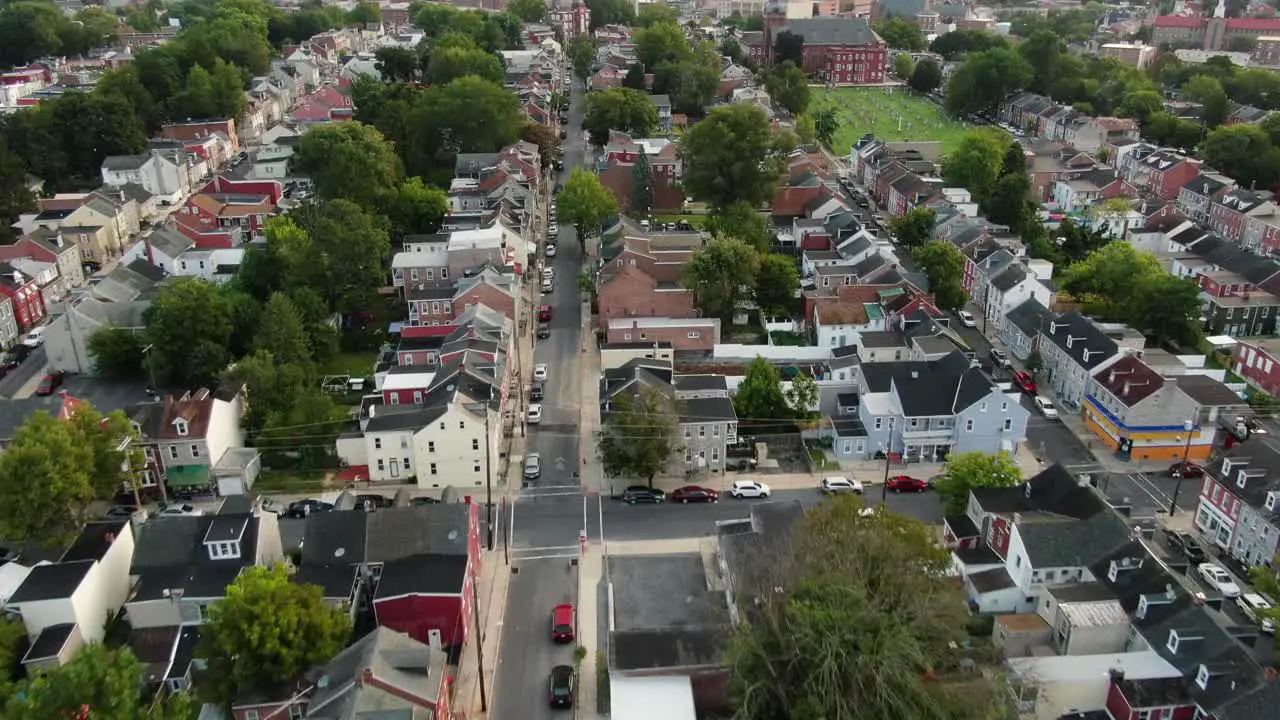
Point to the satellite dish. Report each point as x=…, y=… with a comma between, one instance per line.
x=453, y=534
x=339, y=552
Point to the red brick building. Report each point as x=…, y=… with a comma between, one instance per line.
x=842, y=50
x=24, y=292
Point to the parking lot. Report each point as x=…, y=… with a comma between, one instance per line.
x=106, y=395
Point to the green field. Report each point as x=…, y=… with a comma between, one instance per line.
x=895, y=115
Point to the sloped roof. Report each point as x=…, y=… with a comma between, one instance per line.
x=930, y=388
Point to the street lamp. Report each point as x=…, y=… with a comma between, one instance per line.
x=1182, y=471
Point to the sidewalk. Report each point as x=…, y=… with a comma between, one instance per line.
x=491, y=588
x=590, y=471
x=590, y=571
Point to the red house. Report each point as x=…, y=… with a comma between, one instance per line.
x=1258, y=361
x=1228, y=211
x=198, y=131
x=226, y=213
x=24, y=293
x=424, y=560
x=842, y=50
x=406, y=385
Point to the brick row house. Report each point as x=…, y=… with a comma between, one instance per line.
x=616, y=169
x=226, y=213
x=639, y=296
x=840, y=50
x=1241, y=290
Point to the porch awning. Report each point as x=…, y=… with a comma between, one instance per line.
x=187, y=475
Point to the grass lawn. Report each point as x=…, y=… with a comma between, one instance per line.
x=697, y=221
x=877, y=110
x=818, y=457
x=291, y=481
x=350, y=363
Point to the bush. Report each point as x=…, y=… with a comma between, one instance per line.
x=981, y=625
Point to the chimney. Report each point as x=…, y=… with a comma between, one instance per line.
x=57, y=239
x=1125, y=391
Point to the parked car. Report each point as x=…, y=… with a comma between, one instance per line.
x=534, y=414
x=562, y=623
x=537, y=391
x=8, y=555
x=1186, y=470
x=1024, y=382
x=303, y=508
x=120, y=512
x=544, y=330
x=1000, y=358
x=423, y=500
x=561, y=691
x=836, y=485
x=532, y=466
x=906, y=483
x=51, y=382
x=967, y=318
x=1046, y=408
x=1250, y=604
x=1186, y=545
x=749, y=489
x=694, y=493
x=642, y=494
x=540, y=372
x=35, y=338
x=179, y=510
x=1218, y=579
x=548, y=285
x=372, y=501
x=544, y=313
x=551, y=250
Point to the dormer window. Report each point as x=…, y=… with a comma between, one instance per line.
x=1143, y=604
x=1173, y=642
x=223, y=550
x=181, y=426
x=1202, y=677
x=1272, y=498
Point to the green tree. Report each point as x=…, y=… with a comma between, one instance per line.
x=662, y=42
x=967, y=471
x=691, y=83
x=267, y=630
x=915, y=228
x=926, y=76
x=760, y=397
x=870, y=632
x=638, y=437
x=730, y=48
x=415, y=208
x=788, y=47
x=635, y=78
x=977, y=162
x=901, y=34
x=451, y=63
x=364, y=13
x=654, y=13
x=585, y=204
x=15, y=197
x=1109, y=276
x=350, y=160
x=641, y=184
x=397, y=64
x=1209, y=93
x=355, y=248
x=1244, y=152
x=582, y=55
x=302, y=436
x=533, y=11
x=52, y=471
x=185, y=353
x=777, y=282
x=545, y=138
x=729, y=157
x=29, y=30
x=622, y=109
x=985, y=79
x=826, y=123
x=1007, y=203
x=943, y=265
x=802, y=396
x=956, y=44
x=1043, y=51
x=1266, y=582
x=903, y=66
x=611, y=12
x=721, y=275
x=281, y=332
x=105, y=679
x=1167, y=307
x=788, y=86
x=741, y=221
x=270, y=386
x=13, y=645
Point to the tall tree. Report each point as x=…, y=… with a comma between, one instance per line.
x=117, y=353
x=354, y=248
x=270, y=386
x=281, y=332
x=111, y=440
x=662, y=42
x=654, y=13
x=415, y=208
x=641, y=184
x=777, y=283
x=184, y=353
x=967, y=471
x=903, y=66
x=728, y=157
x=52, y=470
x=741, y=221
x=1244, y=152
x=721, y=275
x=635, y=78
x=1043, y=51
x=788, y=86
x=585, y=204
x=1209, y=93
x=869, y=633
x=582, y=54
x=943, y=264
x=532, y=11
x=267, y=630
x=15, y=197
x=100, y=682
x=350, y=160
x=915, y=228
x=397, y=64
x=1168, y=308
x=451, y=63
x=826, y=123
x=789, y=46
x=926, y=76
x=622, y=109
x=977, y=163
x=985, y=79
x=901, y=34
x=760, y=397
x=638, y=437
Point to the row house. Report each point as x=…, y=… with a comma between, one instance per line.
x=1140, y=414
x=911, y=191
x=573, y=17
x=99, y=223
x=22, y=294
x=497, y=244
x=423, y=261
x=1022, y=109
x=1072, y=349
x=195, y=134
x=441, y=304
x=53, y=250
x=1239, y=504
x=326, y=104
x=844, y=319
x=1161, y=173
x=269, y=97
x=1240, y=289
x=1257, y=360
x=1051, y=161
x=707, y=424
x=227, y=213
x=1013, y=285
x=1197, y=197
x=425, y=345
x=168, y=174
x=616, y=168
x=983, y=260
x=1228, y=210
x=1077, y=195
x=188, y=441
x=628, y=292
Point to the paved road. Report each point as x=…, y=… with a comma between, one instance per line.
x=551, y=507
x=21, y=375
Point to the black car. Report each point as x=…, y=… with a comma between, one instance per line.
x=1187, y=545
x=303, y=508
x=544, y=330
x=371, y=501
x=561, y=691
x=423, y=500
x=642, y=494
x=537, y=391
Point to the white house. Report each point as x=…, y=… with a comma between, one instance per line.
x=216, y=265
x=1011, y=287
x=170, y=175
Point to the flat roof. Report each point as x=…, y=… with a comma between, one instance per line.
x=644, y=698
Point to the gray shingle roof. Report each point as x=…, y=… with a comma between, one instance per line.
x=1010, y=278
x=1029, y=317
x=1072, y=543
x=832, y=31
x=930, y=389
x=1088, y=346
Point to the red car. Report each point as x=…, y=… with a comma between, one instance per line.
x=544, y=313
x=51, y=382
x=1023, y=380
x=562, y=623
x=1186, y=470
x=906, y=483
x=693, y=493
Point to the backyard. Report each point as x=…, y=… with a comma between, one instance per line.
x=895, y=115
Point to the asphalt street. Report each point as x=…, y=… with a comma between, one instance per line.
x=543, y=574
x=19, y=376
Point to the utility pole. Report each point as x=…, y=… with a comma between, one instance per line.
x=488, y=475
x=479, y=640
x=1186, y=453
x=888, y=458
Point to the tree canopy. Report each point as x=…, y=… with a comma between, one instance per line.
x=621, y=109
x=350, y=160
x=967, y=471
x=585, y=204
x=638, y=438
x=729, y=157
x=943, y=264
x=721, y=275
x=104, y=679
x=788, y=86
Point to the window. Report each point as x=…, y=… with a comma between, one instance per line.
x=433, y=468
x=173, y=452
x=475, y=466
x=417, y=396
x=462, y=425
x=195, y=451
x=694, y=334
x=1008, y=424
x=379, y=464
x=404, y=441
x=296, y=711
x=715, y=431
x=688, y=432
x=1202, y=677
x=715, y=455
x=250, y=715
x=968, y=425
x=1173, y=641
x=983, y=406
x=406, y=464
x=413, y=274
x=702, y=431
x=181, y=426
x=444, y=273
x=431, y=446
x=879, y=423
x=377, y=443
x=1004, y=406
x=626, y=336
x=475, y=444
x=408, y=358
x=688, y=456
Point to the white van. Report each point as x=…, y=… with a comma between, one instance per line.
x=35, y=338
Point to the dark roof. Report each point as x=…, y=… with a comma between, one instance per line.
x=930, y=388
x=1081, y=592
x=982, y=554
x=962, y=526
x=1029, y=317
x=51, y=582
x=991, y=580
x=663, y=345
x=184, y=651
x=848, y=427
x=1207, y=391
x=1261, y=702
x=335, y=581
x=226, y=528
x=1229, y=256
x=153, y=647
x=1139, y=574
x=1072, y=543
x=387, y=534
x=389, y=418
x=95, y=540
x=1009, y=279
x=832, y=31
x=1055, y=490
x=746, y=545
x=700, y=410
x=673, y=648
x=1130, y=380
x=1088, y=346
x=171, y=554
x=49, y=642
x=847, y=399
x=1260, y=459
x=882, y=339
x=693, y=383
x=422, y=574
